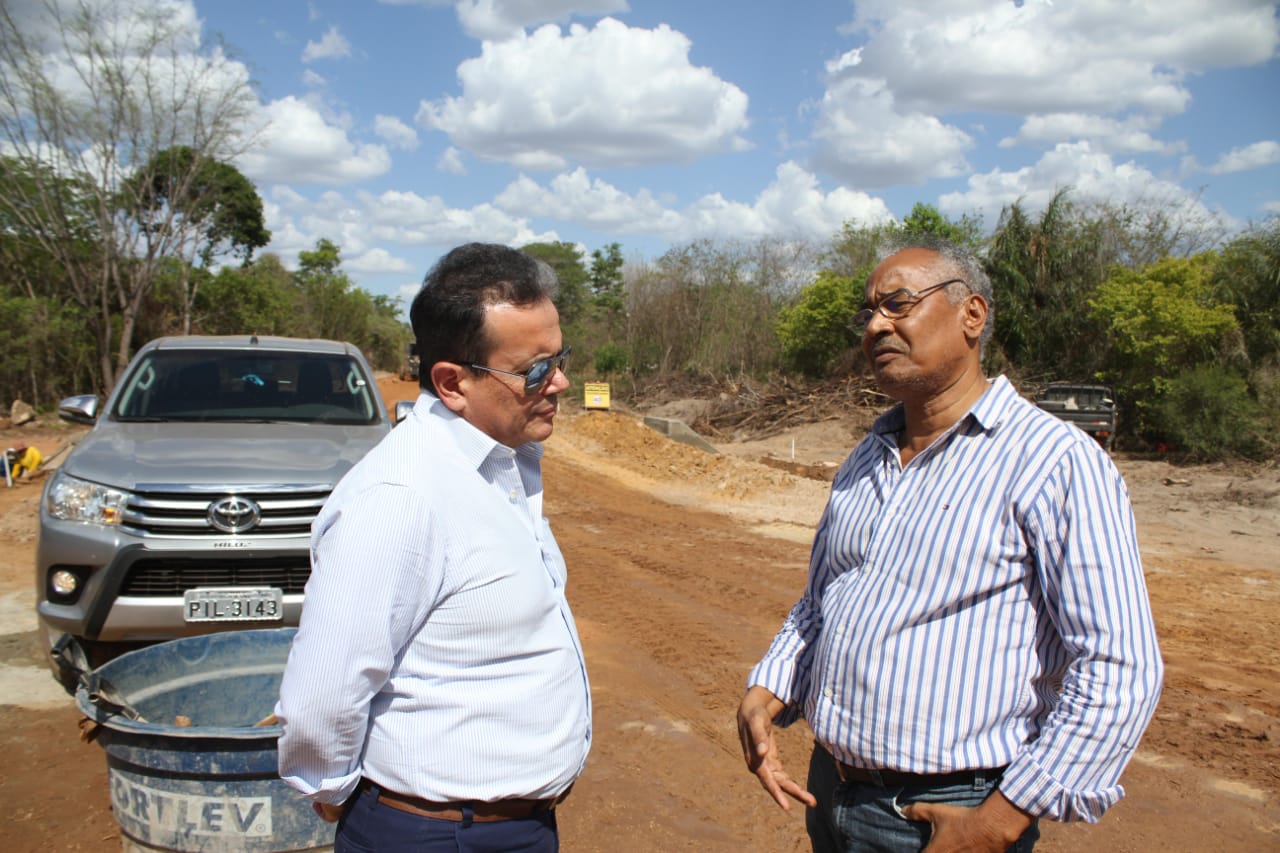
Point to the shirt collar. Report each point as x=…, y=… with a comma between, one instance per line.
x=988, y=411
x=474, y=445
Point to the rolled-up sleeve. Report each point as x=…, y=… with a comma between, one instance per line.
x=1083, y=531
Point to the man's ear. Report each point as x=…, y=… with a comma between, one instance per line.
x=975, y=316
x=449, y=379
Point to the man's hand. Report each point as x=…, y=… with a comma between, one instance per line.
x=755, y=731
x=329, y=813
x=992, y=827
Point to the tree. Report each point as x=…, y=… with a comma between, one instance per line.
x=566, y=260
x=1248, y=276
x=90, y=93
x=257, y=299
x=704, y=308
x=330, y=307
x=857, y=249
x=927, y=220
x=814, y=330
x=326, y=293
x=1161, y=322
x=1043, y=272
x=210, y=209
x=606, y=280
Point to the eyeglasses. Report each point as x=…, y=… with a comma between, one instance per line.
x=898, y=304
x=539, y=374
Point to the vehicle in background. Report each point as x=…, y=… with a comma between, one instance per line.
x=187, y=508
x=411, y=367
x=1090, y=407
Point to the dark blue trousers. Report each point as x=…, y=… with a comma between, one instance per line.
x=372, y=827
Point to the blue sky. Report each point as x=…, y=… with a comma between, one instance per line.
x=400, y=128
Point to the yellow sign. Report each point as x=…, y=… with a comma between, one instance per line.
x=595, y=395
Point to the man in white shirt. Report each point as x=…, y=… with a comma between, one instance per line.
x=436, y=693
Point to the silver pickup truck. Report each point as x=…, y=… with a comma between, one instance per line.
x=1090, y=407
x=187, y=508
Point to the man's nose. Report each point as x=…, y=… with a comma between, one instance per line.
x=877, y=324
x=559, y=381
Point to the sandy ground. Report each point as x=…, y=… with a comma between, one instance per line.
x=682, y=566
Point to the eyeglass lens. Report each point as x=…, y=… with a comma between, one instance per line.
x=541, y=371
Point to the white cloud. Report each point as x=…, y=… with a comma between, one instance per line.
x=451, y=161
x=1081, y=56
x=576, y=197
x=1249, y=157
x=396, y=132
x=300, y=146
x=408, y=219
x=495, y=20
x=332, y=45
x=1092, y=176
x=864, y=139
x=1105, y=134
x=498, y=19
x=792, y=206
x=609, y=96
x=1126, y=63
x=377, y=261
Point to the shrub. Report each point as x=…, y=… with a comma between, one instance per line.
x=1208, y=414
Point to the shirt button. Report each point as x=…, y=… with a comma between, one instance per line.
x=828, y=692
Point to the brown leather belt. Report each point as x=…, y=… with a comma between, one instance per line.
x=898, y=779
x=512, y=809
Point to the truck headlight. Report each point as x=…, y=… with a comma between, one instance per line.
x=72, y=499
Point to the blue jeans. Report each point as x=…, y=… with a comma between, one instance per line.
x=368, y=826
x=857, y=818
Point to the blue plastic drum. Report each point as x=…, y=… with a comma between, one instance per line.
x=210, y=785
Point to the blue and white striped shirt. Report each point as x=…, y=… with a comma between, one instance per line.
x=436, y=653
x=983, y=606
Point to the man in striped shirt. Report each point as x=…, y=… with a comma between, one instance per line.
x=974, y=647
x=436, y=696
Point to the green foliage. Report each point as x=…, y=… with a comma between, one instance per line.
x=814, y=330
x=1162, y=319
x=1043, y=272
x=858, y=248
x=607, y=284
x=1206, y=413
x=257, y=299
x=1248, y=276
x=704, y=308
x=610, y=358
x=43, y=354
x=1160, y=322
x=566, y=260
x=211, y=198
x=925, y=219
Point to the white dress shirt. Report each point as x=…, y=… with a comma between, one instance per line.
x=983, y=606
x=436, y=653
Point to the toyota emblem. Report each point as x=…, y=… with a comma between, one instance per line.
x=234, y=514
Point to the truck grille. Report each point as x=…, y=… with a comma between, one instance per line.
x=179, y=512
x=173, y=577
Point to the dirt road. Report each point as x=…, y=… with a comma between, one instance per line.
x=682, y=566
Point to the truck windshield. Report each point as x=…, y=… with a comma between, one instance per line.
x=225, y=385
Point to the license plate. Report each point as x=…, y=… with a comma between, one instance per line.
x=233, y=604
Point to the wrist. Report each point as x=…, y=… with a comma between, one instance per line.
x=1003, y=819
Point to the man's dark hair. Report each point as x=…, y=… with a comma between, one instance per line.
x=448, y=313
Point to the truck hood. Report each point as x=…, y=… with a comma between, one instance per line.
x=133, y=455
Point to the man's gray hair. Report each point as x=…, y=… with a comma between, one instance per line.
x=961, y=263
